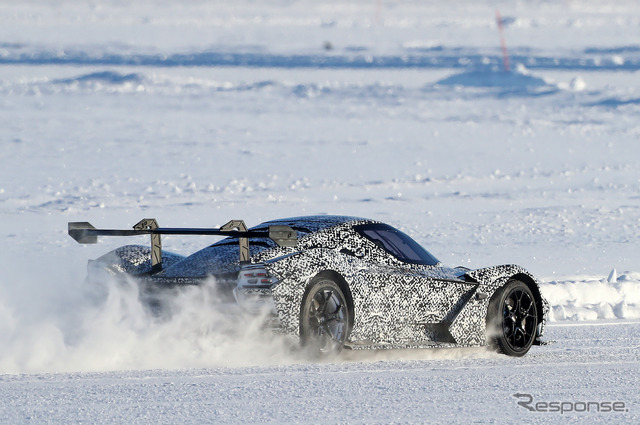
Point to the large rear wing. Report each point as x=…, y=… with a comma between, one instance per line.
x=85, y=233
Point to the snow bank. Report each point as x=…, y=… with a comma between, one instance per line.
x=615, y=297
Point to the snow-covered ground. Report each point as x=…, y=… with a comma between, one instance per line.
x=198, y=112
x=590, y=363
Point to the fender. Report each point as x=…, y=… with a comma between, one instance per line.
x=492, y=278
x=488, y=276
x=289, y=292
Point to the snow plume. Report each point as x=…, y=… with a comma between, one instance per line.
x=116, y=331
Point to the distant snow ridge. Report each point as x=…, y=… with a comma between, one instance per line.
x=616, y=297
x=413, y=54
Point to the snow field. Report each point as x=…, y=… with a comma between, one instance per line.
x=199, y=112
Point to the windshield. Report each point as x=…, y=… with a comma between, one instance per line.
x=396, y=243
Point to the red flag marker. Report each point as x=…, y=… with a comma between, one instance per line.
x=503, y=44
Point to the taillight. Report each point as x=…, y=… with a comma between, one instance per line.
x=253, y=291
x=256, y=277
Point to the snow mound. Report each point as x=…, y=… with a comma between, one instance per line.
x=518, y=80
x=104, y=77
x=614, y=297
x=615, y=102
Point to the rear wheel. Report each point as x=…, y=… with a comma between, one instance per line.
x=512, y=319
x=324, y=319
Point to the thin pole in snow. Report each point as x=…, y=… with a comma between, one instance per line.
x=503, y=43
x=378, y=15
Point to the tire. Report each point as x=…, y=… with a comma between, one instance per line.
x=512, y=319
x=324, y=319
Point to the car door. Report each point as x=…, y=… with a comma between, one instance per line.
x=410, y=297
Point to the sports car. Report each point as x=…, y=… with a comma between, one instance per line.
x=338, y=282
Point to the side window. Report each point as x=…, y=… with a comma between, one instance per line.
x=397, y=244
x=380, y=241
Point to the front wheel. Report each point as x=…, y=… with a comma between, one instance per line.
x=324, y=319
x=512, y=319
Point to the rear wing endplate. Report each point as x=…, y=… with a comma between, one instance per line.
x=85, y=233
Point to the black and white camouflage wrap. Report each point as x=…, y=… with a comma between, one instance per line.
x=394, y=304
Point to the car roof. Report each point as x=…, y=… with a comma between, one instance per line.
x=313, y=223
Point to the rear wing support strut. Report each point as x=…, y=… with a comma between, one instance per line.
x=86, y=233
x=243, y=242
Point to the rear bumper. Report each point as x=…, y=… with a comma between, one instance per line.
x=258, y=302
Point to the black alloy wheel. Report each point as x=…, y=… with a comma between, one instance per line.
x=324, y=319
x=512, y=319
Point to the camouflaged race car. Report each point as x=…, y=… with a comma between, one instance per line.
x=341, y=282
